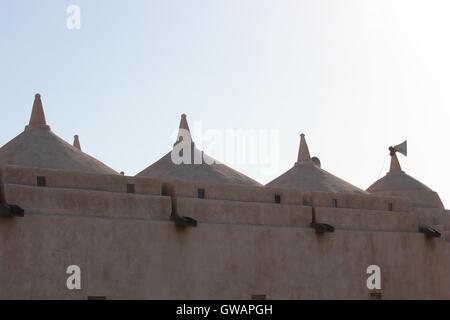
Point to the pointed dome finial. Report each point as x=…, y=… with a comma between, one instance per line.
x=303, y=151
x=37, y=118
x=183, y=123
x=183, y=129
x=76, y=142
x=395, y=164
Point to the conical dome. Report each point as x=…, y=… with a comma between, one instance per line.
x=307, y=176
x=397, y=183
x=38, y=146
x=200, y=168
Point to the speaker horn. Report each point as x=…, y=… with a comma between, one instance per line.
x=402, y=148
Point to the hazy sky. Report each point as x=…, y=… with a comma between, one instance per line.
x=354, y=76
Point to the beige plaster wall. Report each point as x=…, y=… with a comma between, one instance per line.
x=234, y=212
x=267, y=195
x=359, y=219
x=127, y=247
x=419, y=198
x=77, y=180
x=110, y=204
x=371, y=202
x=145, y=259
x=87, y=202
x=232, y=192
x=430, y=216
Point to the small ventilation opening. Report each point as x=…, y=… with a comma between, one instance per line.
x=390, y=206
x=130, y=188
x=277, y=198
x=334, y=203
x=258, y=297
x=41, y=181
x=201, y=193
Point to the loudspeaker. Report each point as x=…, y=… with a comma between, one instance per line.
x=402, y=148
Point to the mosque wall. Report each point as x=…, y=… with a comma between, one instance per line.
x=78, y=180
x=2, y=197
x=286, y=196
x=148, y=259
x=419, y=198
x=430, y=216
x=216, y=191
x=118, y=183
x=104, y=195
x=360, y=219
x=237, y=212
x=446, y=218
x=368, y=202
x=245, y=244
x=248, y=240
x=446, y=222
x=87, y=202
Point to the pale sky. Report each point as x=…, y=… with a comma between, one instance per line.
x=354, y=76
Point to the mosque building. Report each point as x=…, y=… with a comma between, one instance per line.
x=202, y=230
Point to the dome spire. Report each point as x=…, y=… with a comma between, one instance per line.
x=183, y=130
x=76, y=142
x=37, y=118
x=303, y=151
x=183, y=123
x=403, y=149
x=395, y=164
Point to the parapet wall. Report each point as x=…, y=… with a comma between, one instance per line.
x=87, y=202
x=419, y=198
x=358, y=219
x=431, y=216
x=366, y=202
x=183, y=189
x=107, y=196
x=77, y=180
x=214, y=191
x=250, y=213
